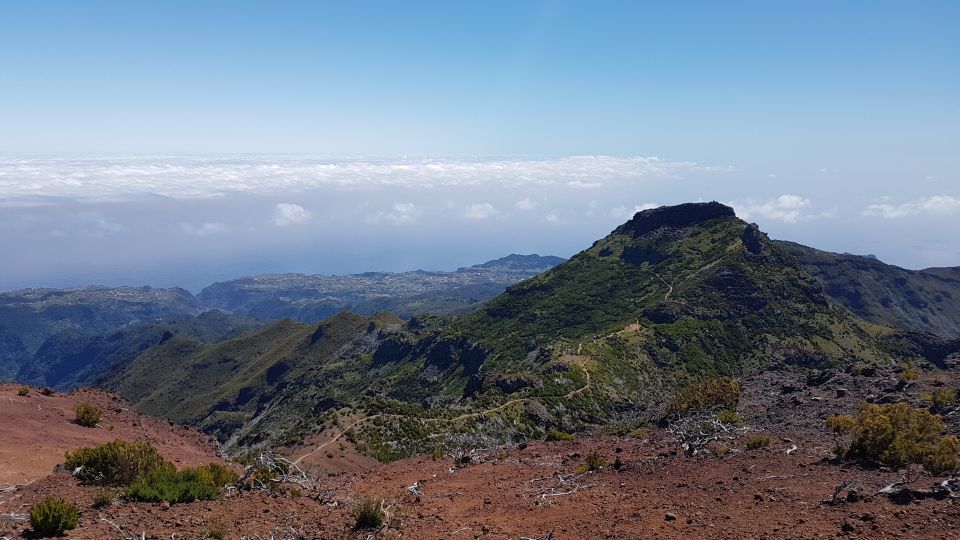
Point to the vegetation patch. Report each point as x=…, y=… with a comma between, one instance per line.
x=87, y=415
x=53, y=517
x=721, y=392
x=370, y=513
x=555, y=434
x=757, y=442
x=187, y=485
x=897, y=435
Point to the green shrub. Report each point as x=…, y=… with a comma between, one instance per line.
x=23, y=391
x=53, y=517
x=116, y=463
x=370, y=514
x=729, y=417
x=187, y=485
x=722, y=392
x=943, y=397
x=87, y=415
x=102, y=499
x=908, y=372
x=594, y=462
x=897, y=435
x=215, y=530
x=556, y=435
x=757, y=442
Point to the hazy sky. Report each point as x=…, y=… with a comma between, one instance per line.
x=182, y=142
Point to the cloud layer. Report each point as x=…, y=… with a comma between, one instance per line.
x=935, y=205
x=36, y=181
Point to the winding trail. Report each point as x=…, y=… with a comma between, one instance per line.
x=464, y=416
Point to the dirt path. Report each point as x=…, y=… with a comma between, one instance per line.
x=336, y=438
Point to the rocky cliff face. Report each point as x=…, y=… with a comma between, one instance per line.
x=681, y=215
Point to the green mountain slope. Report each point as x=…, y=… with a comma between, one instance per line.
x=673, y=295
x=921, y=300
x=190, y=382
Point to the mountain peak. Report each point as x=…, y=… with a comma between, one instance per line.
x=680, y=215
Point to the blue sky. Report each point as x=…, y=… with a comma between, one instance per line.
x=836, y=124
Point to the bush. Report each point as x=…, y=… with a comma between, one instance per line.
x=188, y=485
x=908, y=372
x=46, y=391
x=556, y=435
x=370, y=514
x=943, y=397
x=87, y=415
x=757, y=442
x=897, y=435
x=23, y=391
x=729, y=417
x=53, y=517
x=594, y=462
x=213, y=531
x=722, y=392
x=116, y=463
x=102, y=499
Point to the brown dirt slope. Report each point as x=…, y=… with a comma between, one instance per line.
x=36, y=430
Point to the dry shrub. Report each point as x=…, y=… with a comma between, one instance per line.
x=722, y=392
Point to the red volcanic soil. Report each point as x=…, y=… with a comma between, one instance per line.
x=36, y=430
x=536, y=491
x=648, y=489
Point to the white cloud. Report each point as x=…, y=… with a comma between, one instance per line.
x=551, y=218
x=579, y=184
x=480, y=211
x=625, y=213
x=935, y=205
x=527, y=204
x=401, y=213
x=27, y=180
x=290, y=214
x=787, y=208
x=203, y=229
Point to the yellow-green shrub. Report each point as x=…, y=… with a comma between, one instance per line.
x=556, y=435
x=594, y=461
x=86, y=414
x=116, y=463
x=722, y=392
x=757, y=442
x=943, y=397
x=53, y=517
x=896, y=435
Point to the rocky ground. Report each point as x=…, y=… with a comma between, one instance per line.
x=648, y=488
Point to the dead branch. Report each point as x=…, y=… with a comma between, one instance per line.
x=563, y=485
x=270, y=470
x=15, y=487
x=693, y=433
